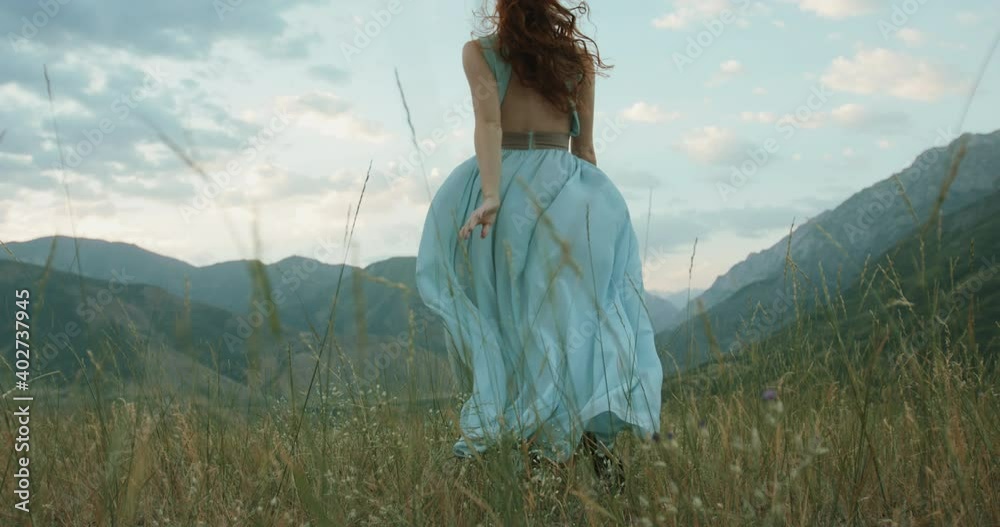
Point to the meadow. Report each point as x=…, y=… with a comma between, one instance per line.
x=808, y=427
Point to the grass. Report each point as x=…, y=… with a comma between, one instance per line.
x=800, y=431
x=917, y=446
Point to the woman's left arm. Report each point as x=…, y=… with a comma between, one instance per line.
x=488, y=136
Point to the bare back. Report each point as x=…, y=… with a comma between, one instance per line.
x=525, y=110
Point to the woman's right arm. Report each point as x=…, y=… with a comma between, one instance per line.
x=583, y=145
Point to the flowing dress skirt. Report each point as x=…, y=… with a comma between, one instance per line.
x=545, y=318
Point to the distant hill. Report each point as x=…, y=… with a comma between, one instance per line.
x=378, y=297
x=662, y=313
x=872, y=220
x=680, y=299
x=78, y=323
x=130, y=332
x=965, y=264
x=831, y=250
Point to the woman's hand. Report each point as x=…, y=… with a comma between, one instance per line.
x=485, y=215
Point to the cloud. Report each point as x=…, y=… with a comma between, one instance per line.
x=811, y=120
x=712, y=145
x=727, y=70
x=329, y=73
x=880, y=70
x=967, y=18
x=731, y=67
x=836, y=9
x=858, y=117
x=331, y=115
x=759, y=117
x=643, y=112
x=910, y=37
x=686, y=13
x=185, y=29
x=852, y=116
x=677, y=229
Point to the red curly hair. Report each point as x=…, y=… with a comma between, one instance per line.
x=545, y=47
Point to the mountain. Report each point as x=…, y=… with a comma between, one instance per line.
x=662, y=312
x=680, y=299
x=835, y=244
x=139, y=333
x=970, y=242
x=375, y=300
x=78, y=324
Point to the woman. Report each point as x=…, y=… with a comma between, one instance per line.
x=529, y=254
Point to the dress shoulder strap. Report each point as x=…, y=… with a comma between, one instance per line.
x=501, y=69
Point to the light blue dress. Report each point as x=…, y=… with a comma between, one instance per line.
x=545, y=316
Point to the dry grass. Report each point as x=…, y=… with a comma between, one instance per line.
x=917, y=448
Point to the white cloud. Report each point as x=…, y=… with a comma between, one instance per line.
x=883, y=71
x=643, y=112
x=731, y=67
x=759, y=91
x=727, y=70
x=759, y=117
x=20, y=159
x=884, y=144
x=711, y=144
x=836, y=9
x=849, y=152
x=780, y=24
x=853, y=115
x=967, y=18
x=849, y=113
x=331, y=115
x=687, y=12
x=910, y=36
x=808, y=121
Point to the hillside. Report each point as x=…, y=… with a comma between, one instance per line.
x=136, y=331
x=920, y=274
x=79, y=324
x=302, y=289
x=831, y=250
x=872, y=220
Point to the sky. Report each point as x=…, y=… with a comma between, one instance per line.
x=213, y=130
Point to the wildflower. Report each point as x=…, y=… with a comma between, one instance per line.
x=770, y=394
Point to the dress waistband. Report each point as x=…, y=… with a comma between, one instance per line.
x=535, y=140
